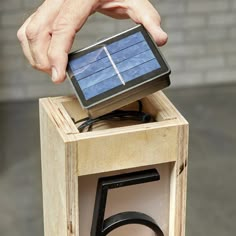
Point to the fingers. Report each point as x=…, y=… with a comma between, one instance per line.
x=144, y=13
x=47, y=36
x=141, y=11
x=35, y=34
x=116, y=13
x=38, y=33
x=21, y=34
x=70, y=19
x=115, y=9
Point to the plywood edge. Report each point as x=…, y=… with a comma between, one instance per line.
x=61, y=99
x=180, y=178
x=53, y=177
x=172, y=208
x=167, y=111
x=60, y=180
x=178, y=184
x=124, y=130
x=165, y=106
x=59, y=117
x=72, y=195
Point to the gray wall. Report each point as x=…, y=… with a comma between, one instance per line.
x=201, y=48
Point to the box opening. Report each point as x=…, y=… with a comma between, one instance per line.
x=73, y=108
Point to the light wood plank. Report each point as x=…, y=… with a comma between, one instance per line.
x=53, y=177
x=59, y=177
x=127, y=150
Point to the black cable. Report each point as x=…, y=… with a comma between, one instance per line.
x=117, y=115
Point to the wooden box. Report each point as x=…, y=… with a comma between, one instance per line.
x=72, y=162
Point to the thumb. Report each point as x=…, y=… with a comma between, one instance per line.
x=70, y=19
x=143, y=12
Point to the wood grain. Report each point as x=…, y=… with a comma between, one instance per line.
x=59, y=178
x=68, y=154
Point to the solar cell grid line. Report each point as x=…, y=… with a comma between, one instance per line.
x=130, y=51
x=114, y=65
x=122, y=66
x=86, y=59
x=125, y=42
x=117, y=57
x=99, y=66
x=133, y=73
x=144, y=68
x=125, y=60
x=128, y=75
x=113, y=48
x=135, y=61
x=101, y=87
x=97, y=77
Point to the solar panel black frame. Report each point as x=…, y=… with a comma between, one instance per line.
x=160, y=73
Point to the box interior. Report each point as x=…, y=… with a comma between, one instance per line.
x=151, y=198
x=76, y=113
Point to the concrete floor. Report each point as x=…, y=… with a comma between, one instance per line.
x=211, y=208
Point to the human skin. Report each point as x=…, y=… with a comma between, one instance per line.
x=47, y=35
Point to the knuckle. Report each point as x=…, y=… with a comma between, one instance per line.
x=40, y=60
x=33, y=64
x=155, y=18
x=158, y=17
x=62, y=25
x=41, y=67
x=52, y=54
x=20, y=34
x=31, y=32
x=40, y=8
x=44, y=67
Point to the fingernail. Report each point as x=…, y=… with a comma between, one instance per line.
x=54, y=74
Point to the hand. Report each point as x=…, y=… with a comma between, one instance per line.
x=47, y=35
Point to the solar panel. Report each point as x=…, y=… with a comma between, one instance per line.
x=115, y=65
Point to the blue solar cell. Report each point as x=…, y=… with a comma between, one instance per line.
x=117, y=57
x=101, y=87
x=130, y=51
x=125, y=42
x=97, y=77
x=96, y=72
x=87, y=59
x=135, y=61
x=140, y=70
x=100, y=53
